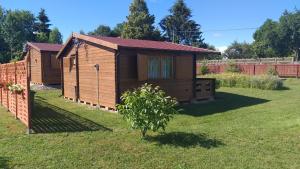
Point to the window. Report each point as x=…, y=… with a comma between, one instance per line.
x=160, y=67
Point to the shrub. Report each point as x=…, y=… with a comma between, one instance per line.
x=265, y=82
x=147, y=108
x=272, y=71
x=204, y=69
x=232, y=68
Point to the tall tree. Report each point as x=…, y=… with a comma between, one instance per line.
x=55, y=36
x=17, y=28
x=3, y=45
x=139, y=24
x=180, y=28
x=42, y=26
x=101, y=30
x=267, y=42
x=289, y=31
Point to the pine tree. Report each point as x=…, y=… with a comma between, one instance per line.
x=42, y=26
x=55, y=36
x=139, y=23
x=178, y=27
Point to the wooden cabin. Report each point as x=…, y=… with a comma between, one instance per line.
x=44, y=67
x=97, y=70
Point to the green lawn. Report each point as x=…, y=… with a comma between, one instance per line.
x=243, y=128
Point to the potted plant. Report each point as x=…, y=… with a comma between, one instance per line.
x=16, y=89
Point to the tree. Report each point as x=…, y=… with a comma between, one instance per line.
x=178, y=27
x=42, y=26
x=289, y=31
x=279, y=39
x=118, y=29
x=147, y=108
x=101, y=30
x=17, y=27
x=239, y=51
x=267, y=41
x=139, y=24
x=55, y=36
x=41, y=37
x=3, y=45
x=82, y=32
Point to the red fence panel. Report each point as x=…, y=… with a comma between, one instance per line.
x=283, y=70
x=17, y=104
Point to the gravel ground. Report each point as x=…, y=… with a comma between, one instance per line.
x=44, y=87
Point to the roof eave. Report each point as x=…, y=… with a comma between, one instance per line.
x=88, y=39
x=171, y=50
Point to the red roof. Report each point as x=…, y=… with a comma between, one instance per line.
x=148, y=44
x=46, y=46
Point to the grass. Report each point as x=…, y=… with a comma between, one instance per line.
x=243, y=128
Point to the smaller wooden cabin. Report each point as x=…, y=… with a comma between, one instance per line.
x=44, y=67
x=97, y=70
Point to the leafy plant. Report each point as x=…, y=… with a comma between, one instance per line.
x=16, y=88
x=232, y=67
x=272, y=71
x=204, y=69
x=147, y=108
x=7, y=85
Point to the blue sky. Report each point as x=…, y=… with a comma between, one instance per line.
x=213, y=15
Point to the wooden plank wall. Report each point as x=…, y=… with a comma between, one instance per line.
x=17, y=104
x=36, y=65
x=89, y=55
x=205, y=88
x=50, y=75
x=181, y=86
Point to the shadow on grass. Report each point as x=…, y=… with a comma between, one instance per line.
x=4, y=162
x=47, y=118
x=283, y=88
x=224, y=102
x=181, y=139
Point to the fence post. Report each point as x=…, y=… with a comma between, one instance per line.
x=1, y=75
x=298, y=70
x=7, y=98
x=254, y=69
x=16, y=97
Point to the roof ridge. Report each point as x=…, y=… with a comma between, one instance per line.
x=99, y=36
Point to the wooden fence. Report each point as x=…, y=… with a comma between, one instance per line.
x=17, y=104
x=279, y=60
x=283, y=70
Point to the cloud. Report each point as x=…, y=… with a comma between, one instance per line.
x=221, y=48
x=217, y=35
